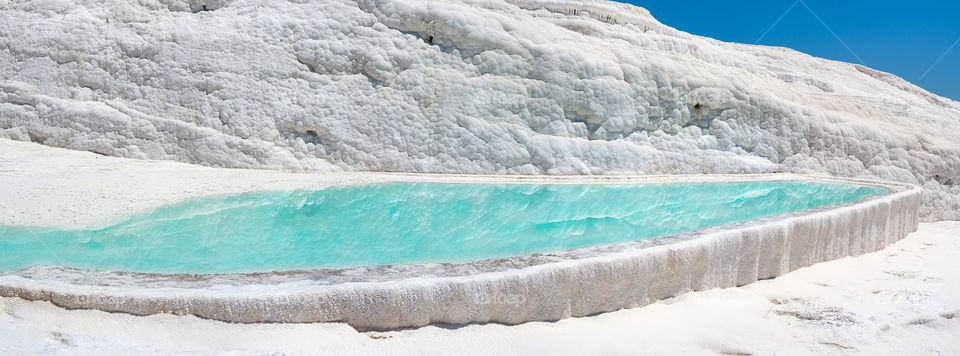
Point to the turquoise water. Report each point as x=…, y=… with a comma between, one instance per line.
x=400, y=223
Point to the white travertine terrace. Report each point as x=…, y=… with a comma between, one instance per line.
x=579, y=283
x=473, y=87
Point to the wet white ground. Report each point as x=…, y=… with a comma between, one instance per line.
x=902, y=300
x=54, y=186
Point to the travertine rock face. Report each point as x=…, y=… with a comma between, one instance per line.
x=498, y=86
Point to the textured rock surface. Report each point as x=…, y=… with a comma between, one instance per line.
x=552, y=291
x=528, y=87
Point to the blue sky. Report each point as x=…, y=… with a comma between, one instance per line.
x=905, y=38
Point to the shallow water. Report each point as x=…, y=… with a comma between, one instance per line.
x=401, y=223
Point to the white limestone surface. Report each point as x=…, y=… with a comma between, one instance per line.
x=493, y=86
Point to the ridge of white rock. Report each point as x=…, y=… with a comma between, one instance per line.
x=475, y=86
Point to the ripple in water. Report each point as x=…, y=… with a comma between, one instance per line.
x=401, y=223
